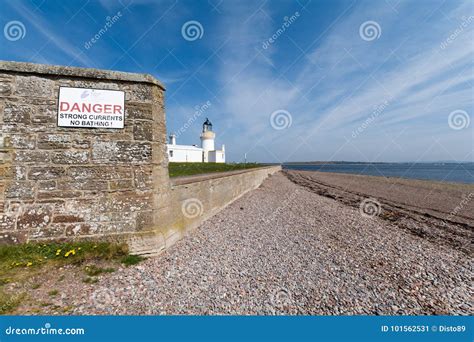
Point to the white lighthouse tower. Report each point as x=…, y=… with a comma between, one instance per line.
x=210, y=154
x=207, y=139
x=206, y=153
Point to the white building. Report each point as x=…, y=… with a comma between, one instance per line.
x=191, y=153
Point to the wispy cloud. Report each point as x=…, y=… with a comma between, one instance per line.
x=344, y=78
x=50, y=35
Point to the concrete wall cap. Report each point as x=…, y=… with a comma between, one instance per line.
x=183, y=180
x=58, y=70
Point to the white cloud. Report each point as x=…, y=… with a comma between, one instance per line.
x=418, y=79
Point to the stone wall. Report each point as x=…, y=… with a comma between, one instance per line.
x=67, y=182
x=59, y=183
x=191, y=201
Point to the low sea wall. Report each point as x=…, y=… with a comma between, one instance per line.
x=192, y=200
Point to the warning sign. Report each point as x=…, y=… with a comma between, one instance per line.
x=91, y=108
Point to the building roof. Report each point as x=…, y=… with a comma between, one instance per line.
x=184, y=147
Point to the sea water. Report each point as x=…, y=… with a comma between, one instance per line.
x=445, y=172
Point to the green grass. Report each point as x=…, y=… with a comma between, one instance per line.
x=34, y=255
x=90, y=280
x=92, y=270
x=9, y=302
x=20, y=262
x=189, y=169
x=130, y=260
x=53, y=293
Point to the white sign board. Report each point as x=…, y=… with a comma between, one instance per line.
x=91, y=108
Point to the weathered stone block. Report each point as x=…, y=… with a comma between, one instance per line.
x=86, y=184
x=34, y=156
x=116, y=227
x=7, y=221
x=79, y=142
x=45, y=172
x=100, y=172
x=127, y=201
x=122, y=184
x=43, y=120
x=46, y=185
x=71, y=157
x=143, y=131
x=19, y=172
x=5, y=171
x=67, y=218
x=52, y=231
x=32, y=86
x=9, y=238
x=82, y=206
x=138, y=111
x=58, y=194
x=22, y=190
x=121, y=152
x=35, y=216
x=139, y=93
x=17, y=113
x=95, y=84
x=144, y=220
x=20, y=141
x=54, y=141
x=5, y=157
x=5, y=85
x=80, y=229
x=143, y=177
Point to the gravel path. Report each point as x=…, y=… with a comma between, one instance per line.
x=282, y=249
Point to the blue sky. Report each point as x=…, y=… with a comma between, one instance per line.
x=286, y=80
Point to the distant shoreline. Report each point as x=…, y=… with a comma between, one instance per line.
x=440, y=172
x=370, y=163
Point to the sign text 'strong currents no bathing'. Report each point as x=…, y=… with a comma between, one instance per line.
x=91, y=108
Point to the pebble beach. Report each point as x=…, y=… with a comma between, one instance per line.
x=304, y=244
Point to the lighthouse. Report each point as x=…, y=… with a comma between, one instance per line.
x=207, y=139
x=206, y=153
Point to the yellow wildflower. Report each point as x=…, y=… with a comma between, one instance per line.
x=58, y=251
x=72, y=251
x=29, y=264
